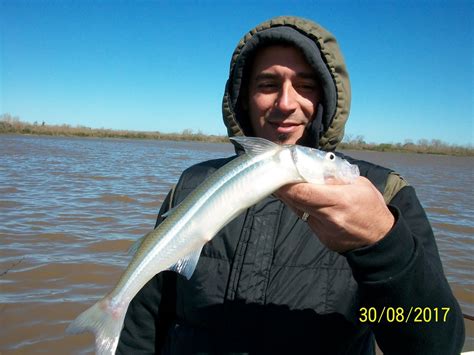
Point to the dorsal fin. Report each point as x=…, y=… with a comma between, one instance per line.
x=255, y=145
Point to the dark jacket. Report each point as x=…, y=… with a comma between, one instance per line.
x=265, y=284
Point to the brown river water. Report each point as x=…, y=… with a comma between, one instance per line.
x=71, y=207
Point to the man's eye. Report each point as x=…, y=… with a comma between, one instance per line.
x=307, y=86
x=266, y=85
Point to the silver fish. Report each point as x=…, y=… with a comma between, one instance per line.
x=177, y=242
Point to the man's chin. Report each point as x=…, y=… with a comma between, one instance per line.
x=282, y=138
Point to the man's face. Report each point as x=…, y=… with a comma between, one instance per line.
x=283, y=94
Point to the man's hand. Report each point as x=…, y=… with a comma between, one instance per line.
x=344, y=217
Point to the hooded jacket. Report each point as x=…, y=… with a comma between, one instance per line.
x=266, y=285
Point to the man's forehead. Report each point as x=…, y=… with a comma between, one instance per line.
x=278, y=48
x=268, y=58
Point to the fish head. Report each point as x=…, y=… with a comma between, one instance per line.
x=316, y=166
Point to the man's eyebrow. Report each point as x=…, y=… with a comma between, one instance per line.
x=306, y=75
x=263, y=76
x=300, y=75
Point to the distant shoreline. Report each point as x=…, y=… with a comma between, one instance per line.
x=12, y=125
x=15, y=126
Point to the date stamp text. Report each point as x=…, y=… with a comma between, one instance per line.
x=403, y=315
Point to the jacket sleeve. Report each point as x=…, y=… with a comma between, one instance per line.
x=402, y=283
x=151, y=312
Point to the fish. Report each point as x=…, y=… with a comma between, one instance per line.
x=177, y=242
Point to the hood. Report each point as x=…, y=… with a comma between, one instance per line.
x=320, y=50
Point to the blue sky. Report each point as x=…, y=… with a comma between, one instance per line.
x=162, y=65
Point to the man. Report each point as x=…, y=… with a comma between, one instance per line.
x=314, y=269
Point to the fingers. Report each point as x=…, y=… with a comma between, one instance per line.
x=327, y=199
x=305, y=194
x=335, y=215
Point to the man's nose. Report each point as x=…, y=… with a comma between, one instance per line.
x=287, y=98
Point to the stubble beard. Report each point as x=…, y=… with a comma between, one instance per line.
x=282, y=138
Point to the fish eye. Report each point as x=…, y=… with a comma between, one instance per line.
x=330, y=156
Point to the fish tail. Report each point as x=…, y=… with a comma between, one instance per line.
x=105, y=321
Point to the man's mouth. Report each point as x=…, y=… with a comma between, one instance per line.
x=285, y=127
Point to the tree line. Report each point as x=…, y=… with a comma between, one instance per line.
x=423, y=146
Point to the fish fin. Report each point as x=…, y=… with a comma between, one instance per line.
x=187, y=265
x=167, y=213
x=104, y=321
x=254, y=145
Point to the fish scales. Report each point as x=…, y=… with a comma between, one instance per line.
x=203, y=202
